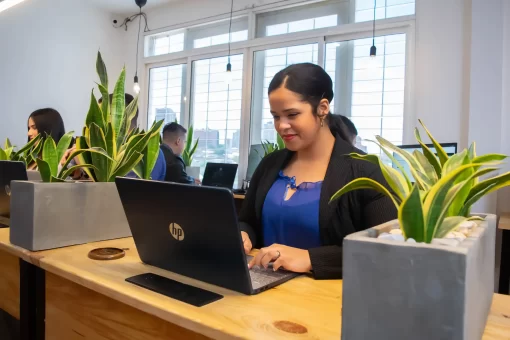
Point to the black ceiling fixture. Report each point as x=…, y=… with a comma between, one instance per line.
x=228, y=75
x=141, y=3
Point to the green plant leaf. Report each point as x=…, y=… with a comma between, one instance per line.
x=84, y=157
x=415, y=168
x=431, y=157
x=129, y=115
x=364, y=183
x=411, y=216
x=44, y=170
x=7, y=144
x=489, y=158
x=449, y=224
x=63, y=144
x=118, y=106
x=63, y=175
x=3, y=155
x=435, y=206
x=101, y=70
x=484, y=188
x=94, y=115
x=77, y=153
x=280, y=142
x=55, y=179
x=111, y=144
x=460, y=191
x=28, y=146
x=430, y=171
x=443, y=156
x=394, y=179
x=472, y=151
x=105, y=103
x=394, y=162
x=101, y=163
x=150, y=156
x=128, y=165
x=49, y=155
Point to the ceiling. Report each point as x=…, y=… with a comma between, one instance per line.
x=127, y=6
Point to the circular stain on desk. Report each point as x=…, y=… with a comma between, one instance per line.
x=106, y=254
x=290, y=327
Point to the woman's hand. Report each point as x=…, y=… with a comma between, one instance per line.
x=67, y=154
x=292, y=259
x=246, y=242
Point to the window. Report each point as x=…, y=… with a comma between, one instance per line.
x=216, y=110
x=197, y=37
x=384, y=9
x=303, y=18
x=266, y=64
x=370, y=90
x=167, y=93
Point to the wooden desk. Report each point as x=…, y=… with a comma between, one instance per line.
x=87, y=299
x=504, y=267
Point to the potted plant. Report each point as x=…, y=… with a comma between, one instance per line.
x=187, y=155
x=429, y=274
x=58, y=212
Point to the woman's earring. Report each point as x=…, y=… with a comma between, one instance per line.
x=322, y=121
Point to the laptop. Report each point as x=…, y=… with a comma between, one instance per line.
x=192, y=231
x=9, y=171
x=221, y=175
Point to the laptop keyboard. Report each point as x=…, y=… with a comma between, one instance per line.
x=261, y=277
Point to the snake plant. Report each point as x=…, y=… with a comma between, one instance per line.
x=27, y=154
x=445, y=187
x=190, y=148
x=107, y=127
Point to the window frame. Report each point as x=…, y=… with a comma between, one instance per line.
x=322, y=36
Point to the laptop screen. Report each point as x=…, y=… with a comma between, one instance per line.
x=449, y=148
x=220, y=175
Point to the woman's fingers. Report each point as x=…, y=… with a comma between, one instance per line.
x=246, y=242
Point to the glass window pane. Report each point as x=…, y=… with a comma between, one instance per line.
x=216, y=110
x=364, y=9
x=166, y=93
x=372, y=91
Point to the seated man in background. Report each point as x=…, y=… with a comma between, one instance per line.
x=174, y=137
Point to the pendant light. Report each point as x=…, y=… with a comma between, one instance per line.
x=228, y=74
x=373, y=49
x=140, y=4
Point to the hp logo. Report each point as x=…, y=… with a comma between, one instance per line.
x=176, y=231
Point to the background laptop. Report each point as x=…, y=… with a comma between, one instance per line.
x=9, y=171
x=221, y=175
x=192, y=231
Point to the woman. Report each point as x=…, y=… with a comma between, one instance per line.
x=287, y=210
x=46, y=122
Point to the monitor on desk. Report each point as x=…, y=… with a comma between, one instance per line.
x=254, y=158
x=449, y=148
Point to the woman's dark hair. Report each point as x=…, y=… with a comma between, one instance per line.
x=313, y=84
x=48, y=123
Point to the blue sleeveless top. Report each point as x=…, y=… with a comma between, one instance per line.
x=295, y=222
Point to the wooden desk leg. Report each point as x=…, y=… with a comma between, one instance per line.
x=504, y=268
x=32, y=301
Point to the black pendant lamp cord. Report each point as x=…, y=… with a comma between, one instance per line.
x=230, y=28
x=138, y=40
x=373, y=28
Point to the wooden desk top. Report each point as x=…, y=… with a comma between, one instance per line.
x=315, y=305
x=239, y=197
x=504, y=221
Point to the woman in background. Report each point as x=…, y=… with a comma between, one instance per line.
x=46, y=122
x=286, y=210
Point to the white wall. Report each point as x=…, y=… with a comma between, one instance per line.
x=48, y=51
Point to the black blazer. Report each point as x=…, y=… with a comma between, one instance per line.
x=175, y=167
x=354, y=211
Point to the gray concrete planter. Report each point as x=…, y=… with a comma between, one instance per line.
x=53, y=215
x=397, y=290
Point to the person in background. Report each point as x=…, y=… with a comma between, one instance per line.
x=174, y=137
x=46, y=122
x=286, y=211
x=353, y=132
